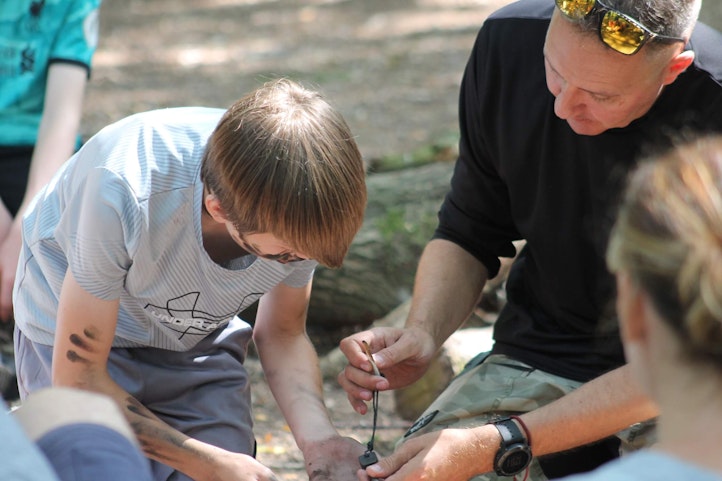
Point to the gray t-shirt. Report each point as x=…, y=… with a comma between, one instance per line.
x=647, y=465
x=124, y=214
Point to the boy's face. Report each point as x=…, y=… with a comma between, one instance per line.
x=266, y=246
x=259, y=244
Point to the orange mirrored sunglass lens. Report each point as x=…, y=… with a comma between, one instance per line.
x=576, y=8
x=621, y=34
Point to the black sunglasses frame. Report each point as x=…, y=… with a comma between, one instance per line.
x=601, y=9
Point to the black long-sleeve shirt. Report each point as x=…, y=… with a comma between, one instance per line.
x=522, y=173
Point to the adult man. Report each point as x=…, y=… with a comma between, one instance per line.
x=557, y=102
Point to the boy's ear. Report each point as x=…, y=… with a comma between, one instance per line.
x=213, y=206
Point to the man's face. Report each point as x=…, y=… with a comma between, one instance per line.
x=596, y=88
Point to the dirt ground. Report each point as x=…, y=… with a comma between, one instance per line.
x=391, y=67
x=276, y=447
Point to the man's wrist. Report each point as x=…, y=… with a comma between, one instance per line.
x=514, y=453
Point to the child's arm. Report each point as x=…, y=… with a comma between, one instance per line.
x=57, y=135
x=85, y=331
x=291, y=366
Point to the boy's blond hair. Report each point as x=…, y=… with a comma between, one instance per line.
x=283, y=161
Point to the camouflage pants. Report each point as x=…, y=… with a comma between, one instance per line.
x=494, y=386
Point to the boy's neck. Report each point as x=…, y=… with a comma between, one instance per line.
x=217, y=242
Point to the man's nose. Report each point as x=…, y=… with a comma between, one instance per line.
x=567, y=102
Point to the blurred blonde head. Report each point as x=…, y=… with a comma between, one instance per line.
x=668, y=241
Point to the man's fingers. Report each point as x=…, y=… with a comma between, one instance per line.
x=354, y=379
x=356, y=394
x=389, y=465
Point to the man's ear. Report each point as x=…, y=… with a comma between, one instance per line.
x=213, y=206
x=677, y=65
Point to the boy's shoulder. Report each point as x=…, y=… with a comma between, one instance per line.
x=172, y=129
x=186, y=118
x=147, y=152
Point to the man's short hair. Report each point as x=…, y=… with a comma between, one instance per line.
x=672, y=18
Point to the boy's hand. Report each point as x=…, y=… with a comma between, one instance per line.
x=334, y=459
x=229, y=466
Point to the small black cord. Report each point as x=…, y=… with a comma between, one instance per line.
x=369, y=457
x=375, y=405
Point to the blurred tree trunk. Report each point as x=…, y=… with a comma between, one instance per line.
x=378, y=272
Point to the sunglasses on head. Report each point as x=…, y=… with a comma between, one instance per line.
x=617, y=30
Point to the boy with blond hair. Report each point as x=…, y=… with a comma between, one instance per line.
x=142, y=251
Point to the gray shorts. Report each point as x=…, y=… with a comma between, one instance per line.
x=203, y=393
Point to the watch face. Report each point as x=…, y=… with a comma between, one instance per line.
x=514, y=460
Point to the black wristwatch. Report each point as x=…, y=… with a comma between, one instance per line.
x=514, y=453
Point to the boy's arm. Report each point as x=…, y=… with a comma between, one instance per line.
x=84, y=336
x=290, y=364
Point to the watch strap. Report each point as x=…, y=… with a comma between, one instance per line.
x=510, y=432
x=521, y=423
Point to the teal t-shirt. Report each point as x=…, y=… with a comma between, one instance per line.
x=34, y=34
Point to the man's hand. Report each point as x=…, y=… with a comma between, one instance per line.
x=334, y=459
x=401, y=355
x=449, y=454
x=9, y=254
